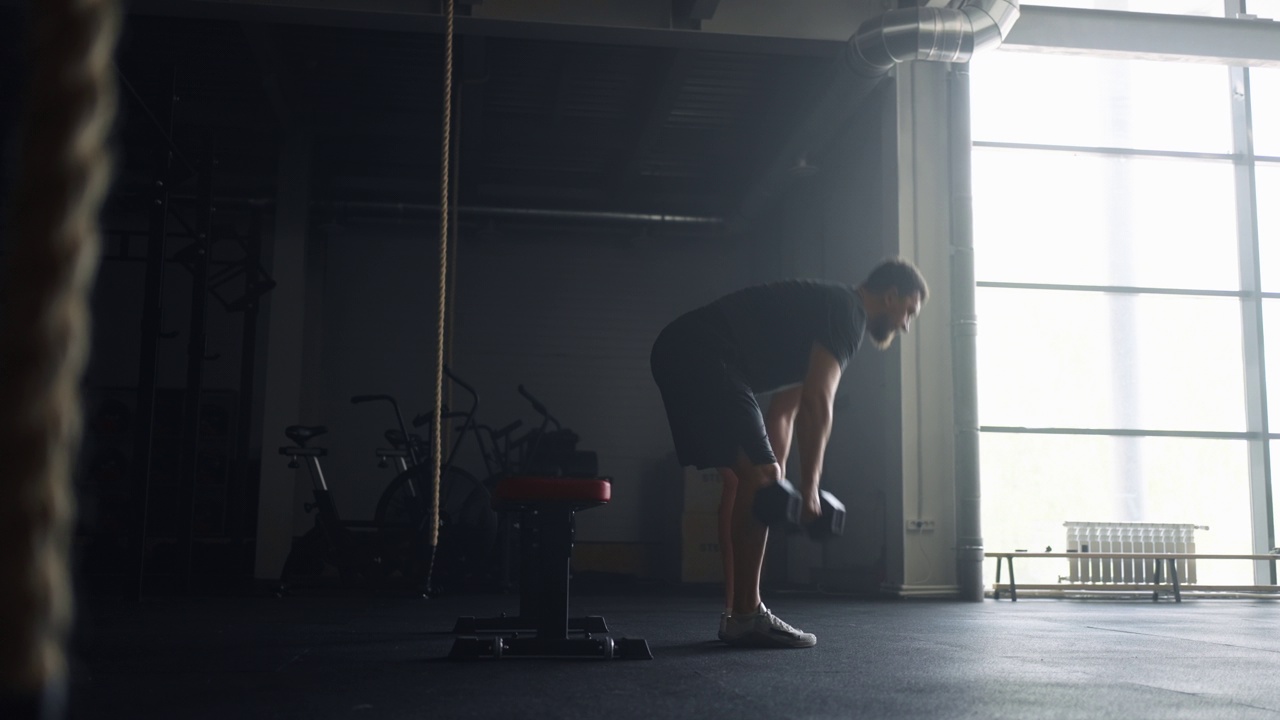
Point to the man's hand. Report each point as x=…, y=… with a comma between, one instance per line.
x=810, y=508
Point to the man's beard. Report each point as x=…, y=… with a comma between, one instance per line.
x=881, y=332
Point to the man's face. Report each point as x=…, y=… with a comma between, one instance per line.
x=896, y=313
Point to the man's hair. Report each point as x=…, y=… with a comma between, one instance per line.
x=897, y=273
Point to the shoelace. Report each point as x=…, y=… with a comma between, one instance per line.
x=778, y=622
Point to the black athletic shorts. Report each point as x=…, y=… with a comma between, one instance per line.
x=712, y=410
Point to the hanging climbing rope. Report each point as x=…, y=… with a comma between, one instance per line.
x=446, y=121
x=52, y=257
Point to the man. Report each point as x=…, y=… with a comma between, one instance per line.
x=793, y=337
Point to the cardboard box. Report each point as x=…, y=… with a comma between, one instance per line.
x=700, y=548
x=701, y=490
x=619, y=558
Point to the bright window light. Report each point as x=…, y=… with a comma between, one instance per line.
x=1264, y=87
x=1090, y=219
x=1043, y=481
x=1269, y=9
x=1271, y=331
x=1021, y=97
x=1096, y=360
x=1268, y=178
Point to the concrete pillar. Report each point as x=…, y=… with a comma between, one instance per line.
x=286, y=315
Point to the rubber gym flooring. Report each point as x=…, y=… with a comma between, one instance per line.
x=351, y=656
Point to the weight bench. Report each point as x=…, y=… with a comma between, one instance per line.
x=1168, y=582
x=546, y=506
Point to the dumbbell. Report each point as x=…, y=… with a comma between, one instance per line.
x=831, y=523
x=777, y=505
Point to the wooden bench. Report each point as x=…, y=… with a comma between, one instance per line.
x=1172, y=583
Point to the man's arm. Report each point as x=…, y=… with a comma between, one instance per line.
x=813, y=423
x=780, y=420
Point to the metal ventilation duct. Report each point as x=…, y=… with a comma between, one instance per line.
x=929, y=33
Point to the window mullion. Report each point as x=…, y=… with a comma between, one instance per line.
x=1257, y=421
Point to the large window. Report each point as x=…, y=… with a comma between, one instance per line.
x=1118, y=306
x=1095, y=360
x=1091, y=218
x=1091, y=102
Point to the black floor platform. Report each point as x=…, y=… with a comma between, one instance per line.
x=320, y=657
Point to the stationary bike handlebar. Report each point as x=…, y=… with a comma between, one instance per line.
x=506, y=429
x=404, y=432
x=423, y=418
x=538, y=407
x=461, y=383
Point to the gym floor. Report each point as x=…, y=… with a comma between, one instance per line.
x=331, y=656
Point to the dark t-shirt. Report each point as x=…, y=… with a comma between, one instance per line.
x=771, y=328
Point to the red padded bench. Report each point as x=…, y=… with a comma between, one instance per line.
x=546, y=506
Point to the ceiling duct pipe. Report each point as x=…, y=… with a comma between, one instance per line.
x=925, y=33
x=359, y=208
x=928, y=33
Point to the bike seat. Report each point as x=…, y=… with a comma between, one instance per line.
x=302, y=433
x=396, y=438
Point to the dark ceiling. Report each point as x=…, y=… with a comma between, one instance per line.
x=542, y=124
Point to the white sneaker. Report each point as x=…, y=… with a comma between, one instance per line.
x=763, y=629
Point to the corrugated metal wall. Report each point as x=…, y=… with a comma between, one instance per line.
x=572, y=319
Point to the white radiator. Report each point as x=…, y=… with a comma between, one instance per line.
x=1129, y=538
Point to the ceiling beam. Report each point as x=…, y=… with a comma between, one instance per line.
x=763, y=26
x=1147, y=36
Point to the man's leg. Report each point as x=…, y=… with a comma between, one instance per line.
x=751, y=623
x=728, y=491
x=748, y=534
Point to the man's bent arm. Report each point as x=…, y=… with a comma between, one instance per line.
x=813, y=420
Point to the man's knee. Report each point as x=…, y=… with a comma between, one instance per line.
x=751, y=476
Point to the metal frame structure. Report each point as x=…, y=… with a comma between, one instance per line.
x=172, y=171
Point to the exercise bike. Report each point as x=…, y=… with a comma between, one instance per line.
x=393, y=549
x=469, y=527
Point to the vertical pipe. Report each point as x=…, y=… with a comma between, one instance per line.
x=244, y=485
x=285, y=337
x=144, y=412
x=964, y=367
x=190, y=453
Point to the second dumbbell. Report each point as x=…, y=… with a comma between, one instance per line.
x=778, y=505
